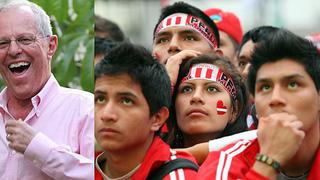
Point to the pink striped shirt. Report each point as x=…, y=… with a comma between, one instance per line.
x=63, y=146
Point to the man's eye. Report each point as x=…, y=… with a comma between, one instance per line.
x=293, y=85
x=25, y=40
x=190, y=38
x=127, y=101
x=4, y=42
x=265, y=87
x=161, y=40
x=242, y=63
x=99, y=100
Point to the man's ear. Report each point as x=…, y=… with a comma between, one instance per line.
x=53, y=45
x=159, y=118
x=219, y=52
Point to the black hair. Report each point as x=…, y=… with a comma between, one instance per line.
x=112, y=30
x=182, y=7
x=240, y=105
x=284, y=44
x=137, y=62
x=103, y=45
x=257, y=34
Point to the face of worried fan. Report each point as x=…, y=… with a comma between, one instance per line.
x=202, y=107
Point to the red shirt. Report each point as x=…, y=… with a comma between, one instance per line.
x=158, y=153
x=235, y=161
x=97, y=175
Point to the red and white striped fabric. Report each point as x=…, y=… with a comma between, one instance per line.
x=178, y=19
x=212, y=73
x=235, y=162
x=230, y=162
x=185, y=20
x=204, y=71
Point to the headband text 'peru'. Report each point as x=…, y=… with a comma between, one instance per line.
x=181, y=19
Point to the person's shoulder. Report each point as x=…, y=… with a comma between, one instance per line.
x=78, y=99
x=76, y=93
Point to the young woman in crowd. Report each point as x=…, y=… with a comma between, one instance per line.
x=209, y=101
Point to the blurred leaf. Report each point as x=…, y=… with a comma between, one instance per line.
x=73, y=24
x=87, y=82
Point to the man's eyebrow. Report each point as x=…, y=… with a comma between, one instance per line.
x=164, y=33
x=186, y=31
x=189, y=31
x=263, y=80
x=100, y=92
x=127, y=94
x=244, y=58
x=293, y=76
x=285, y=78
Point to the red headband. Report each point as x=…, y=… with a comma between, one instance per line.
x=212, y=73
x=181, y=19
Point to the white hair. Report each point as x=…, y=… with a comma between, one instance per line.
x=43, y=20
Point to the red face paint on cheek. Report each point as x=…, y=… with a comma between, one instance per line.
x=221, y=109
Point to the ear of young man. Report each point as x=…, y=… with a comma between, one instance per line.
x=159, y=118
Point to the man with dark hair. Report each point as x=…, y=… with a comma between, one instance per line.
x=132, y=97
x=246, y=48
x=105, y=28
x=243, y=60
x=284, y=79
x=182, y=32
x=107, y=35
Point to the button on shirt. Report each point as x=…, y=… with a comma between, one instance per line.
x=63, y=145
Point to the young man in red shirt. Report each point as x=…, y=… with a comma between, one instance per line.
x=132, y=97
x=285, y=80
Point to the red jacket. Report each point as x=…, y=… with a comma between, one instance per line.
x=158, y=153
x=235, y=161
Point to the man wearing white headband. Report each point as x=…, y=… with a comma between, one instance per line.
x=182, y=32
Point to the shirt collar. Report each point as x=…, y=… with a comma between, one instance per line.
x=45, y=95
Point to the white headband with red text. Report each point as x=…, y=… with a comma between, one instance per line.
x=181, y=19
x=212, y=73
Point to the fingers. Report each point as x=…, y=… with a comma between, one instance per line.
x=183, y=55
x=174, y=62
x=12, y=126
x=19, y=135
x=280, y=136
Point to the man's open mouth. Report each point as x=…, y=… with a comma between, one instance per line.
x=19, y=67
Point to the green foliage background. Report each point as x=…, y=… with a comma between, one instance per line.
x=73, y=22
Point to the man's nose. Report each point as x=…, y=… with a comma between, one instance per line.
x=109, y=112
x=174, y=46
x=14, y=48
x=277, y=98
